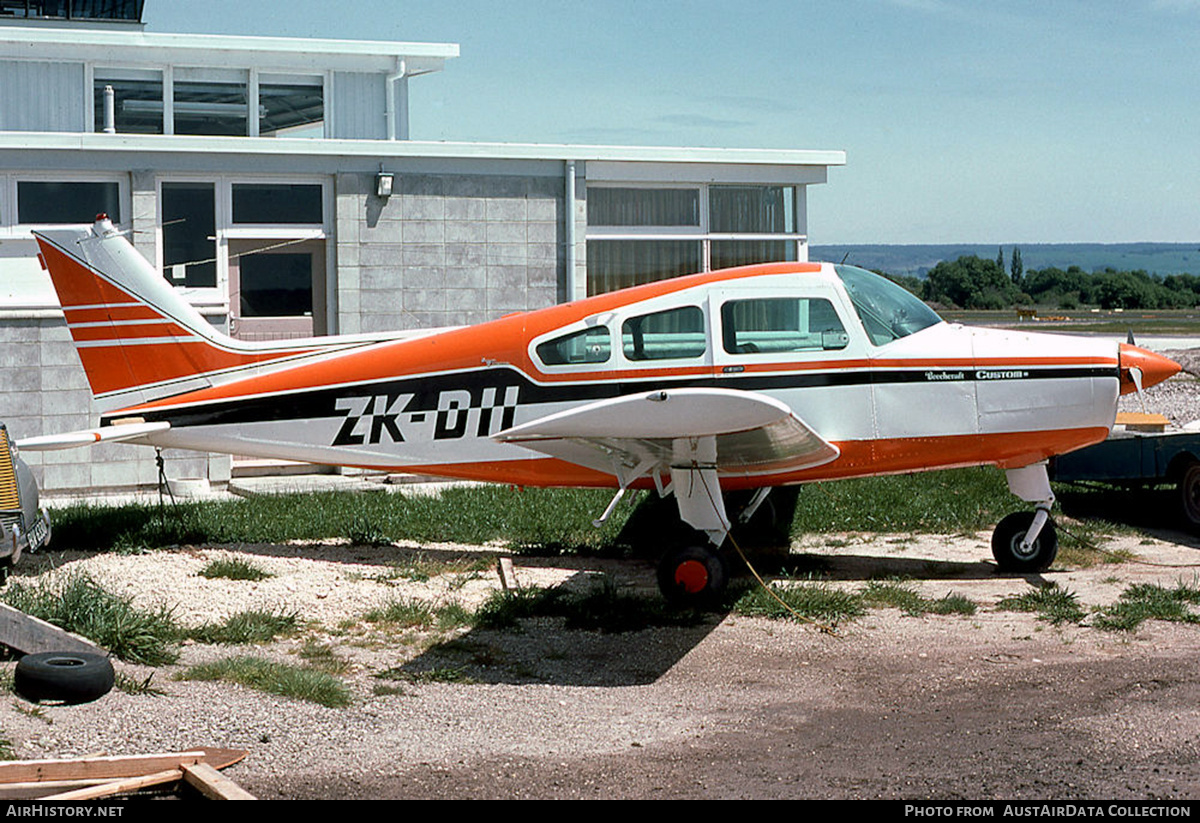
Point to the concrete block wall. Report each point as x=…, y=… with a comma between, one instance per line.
x=446, y=249
x=43, y=390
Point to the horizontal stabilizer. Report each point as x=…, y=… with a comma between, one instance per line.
x=89, y=437
x=738, y=432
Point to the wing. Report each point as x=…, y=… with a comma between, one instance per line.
x=735, y=432
x=88, y=437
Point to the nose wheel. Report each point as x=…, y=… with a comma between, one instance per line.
x=692, y=575
x=1014, y=553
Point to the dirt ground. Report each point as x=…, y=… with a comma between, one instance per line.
x=998, y=705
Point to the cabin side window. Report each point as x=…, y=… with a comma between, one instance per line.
x=665, y=335
x=585, y=346
x=781, y=325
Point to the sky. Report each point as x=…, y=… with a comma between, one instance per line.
x=1006, y=121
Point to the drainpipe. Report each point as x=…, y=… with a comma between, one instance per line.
x=569, y=230
x=390, y=84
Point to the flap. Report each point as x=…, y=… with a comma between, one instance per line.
x=736, y=432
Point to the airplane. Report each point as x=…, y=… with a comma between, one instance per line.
x=698, y=386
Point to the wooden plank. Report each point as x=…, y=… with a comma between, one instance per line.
x=40, y=788
x=214, y=785
x=113, y=768
x=508, y=575
x=125, y=786
x=29, y=635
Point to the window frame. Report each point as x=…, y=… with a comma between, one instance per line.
x=12, y=228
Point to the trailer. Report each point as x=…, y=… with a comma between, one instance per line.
x=1143, y=452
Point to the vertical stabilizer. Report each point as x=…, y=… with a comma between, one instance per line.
x=137, y=337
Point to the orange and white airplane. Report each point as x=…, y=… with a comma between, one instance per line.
x=748, y=378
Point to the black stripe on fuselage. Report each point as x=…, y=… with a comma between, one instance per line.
x=425, y=391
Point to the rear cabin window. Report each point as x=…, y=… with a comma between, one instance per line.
x=781, y=325
x=665, y=335
x=585, y=346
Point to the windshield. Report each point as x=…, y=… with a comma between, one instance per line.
x=888, y=311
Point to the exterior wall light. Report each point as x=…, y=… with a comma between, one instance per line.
x=383, y=184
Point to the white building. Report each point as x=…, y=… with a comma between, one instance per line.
x=252, y=171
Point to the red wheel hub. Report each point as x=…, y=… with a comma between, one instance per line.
x=691, y=576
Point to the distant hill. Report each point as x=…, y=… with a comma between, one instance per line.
x=1156, y=258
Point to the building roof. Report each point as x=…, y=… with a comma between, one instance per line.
x=148, y=48
x=185, y=144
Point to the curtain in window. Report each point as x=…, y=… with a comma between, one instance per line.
x=752, y=209
x=619, y=264
x=643, y=207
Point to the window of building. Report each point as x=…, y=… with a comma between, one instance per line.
x=41, y=202
x=291, y=106
x=584, y=346
x=189, y=228
x=665, y=335
x=137, y=100
x=277, y=203
x=207, y=102
x=639, y=234
x=780, y=325
x=276, y=285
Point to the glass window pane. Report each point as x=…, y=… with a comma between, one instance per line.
x=752, y=209
x=781, y=325
x=729, y=253
x=289, y=203
x=586, y=346
x=291, y=110
x=189, y=234
x=618, y=264
x=40, y=202
x=276, y=285
x=138, y=101
x=210, y=107
x=888, y=311
x=665, y=335
x=643, y=207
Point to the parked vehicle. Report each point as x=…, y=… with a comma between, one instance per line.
x=24, y=526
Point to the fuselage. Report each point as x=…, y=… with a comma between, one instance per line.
x=870, y=370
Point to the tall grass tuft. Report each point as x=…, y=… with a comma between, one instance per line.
x=246, y=627
x=1148, y=601
x=77, y=603
x=274, y=678
x=1049, y=602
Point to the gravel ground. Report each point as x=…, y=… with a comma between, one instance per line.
x=997, y=705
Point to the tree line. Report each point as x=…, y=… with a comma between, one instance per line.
x=971, y=282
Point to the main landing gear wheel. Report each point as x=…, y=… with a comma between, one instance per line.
x=692, y=576
x=1189, y=496
x=1007, y=539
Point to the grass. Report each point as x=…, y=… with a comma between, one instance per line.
x=905, y=598
x=246, y=627
x=1148, y=601
x=295, y=682
x=233, y=568
x=7, y=752
x=76, y=603
x=813, y=601
x=1049, y=602
x=442, y=675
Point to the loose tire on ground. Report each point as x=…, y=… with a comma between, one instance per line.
x=67, y=676
x=1006, y=544
x=692, y=575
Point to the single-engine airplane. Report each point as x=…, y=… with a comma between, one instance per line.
x=743, y=379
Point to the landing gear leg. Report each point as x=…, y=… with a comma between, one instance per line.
x=1025, y=542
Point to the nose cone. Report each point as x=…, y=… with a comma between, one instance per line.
x=1154, y=368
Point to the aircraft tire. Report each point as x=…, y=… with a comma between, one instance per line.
x=1189, y=496
x=1006, y=544
x=67, y=676
x=692, y=575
